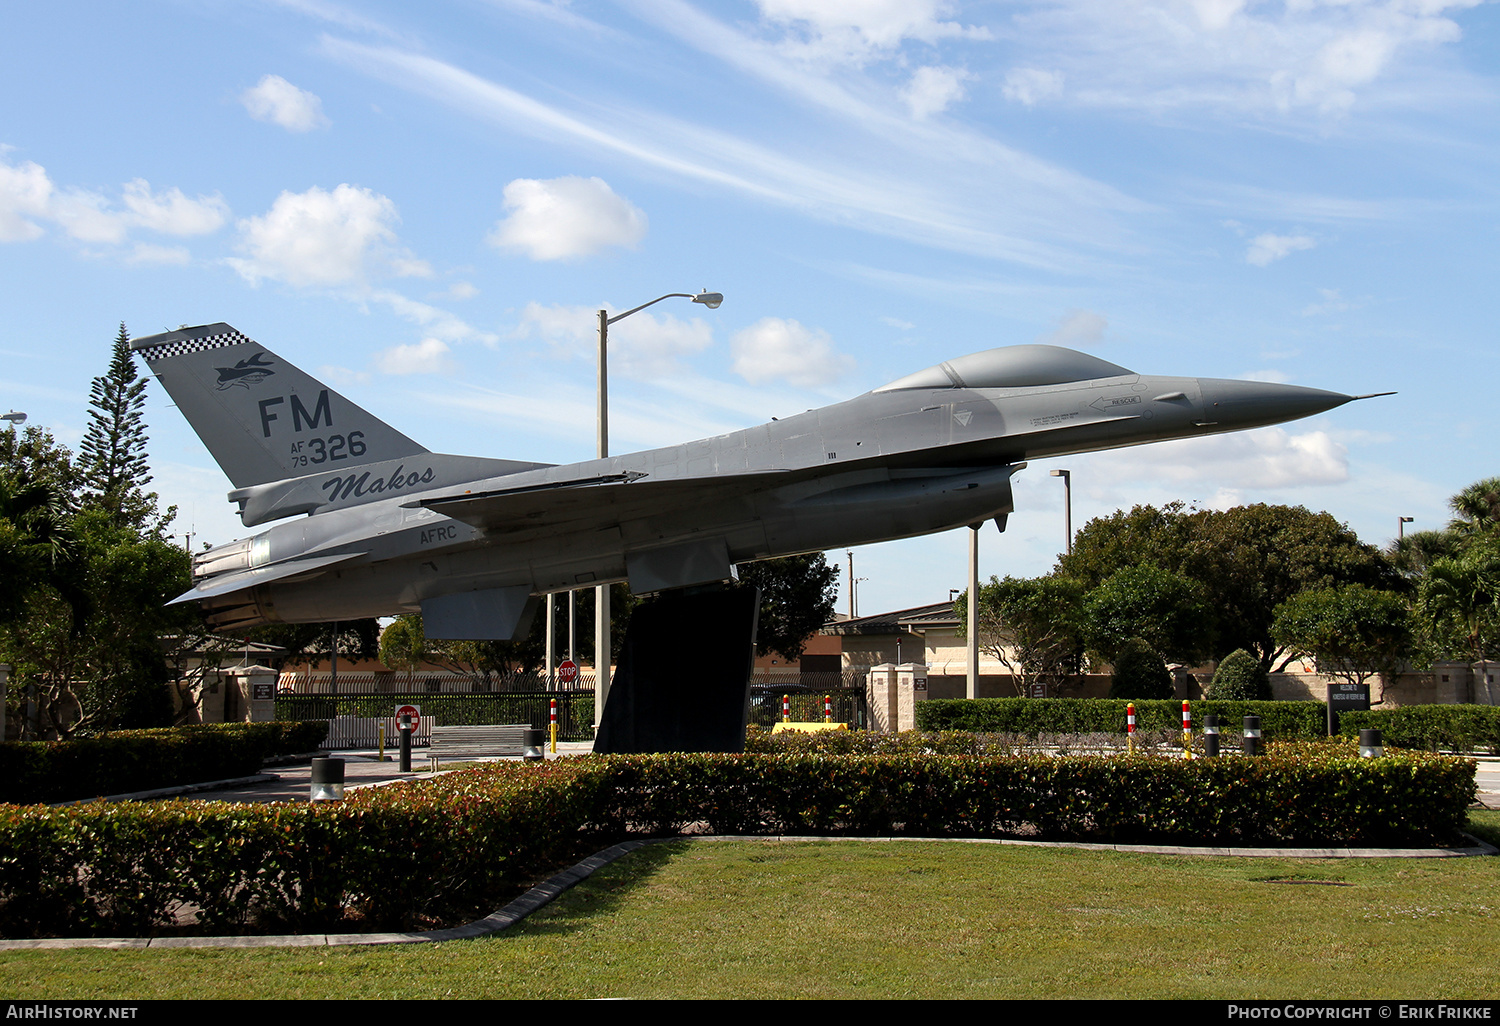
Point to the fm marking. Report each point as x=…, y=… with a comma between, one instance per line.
x=301, y=419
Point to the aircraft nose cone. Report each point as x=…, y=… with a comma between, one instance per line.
x=1241, y=404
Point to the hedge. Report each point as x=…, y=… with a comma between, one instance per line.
x=419, y=853
x=1281, y=721
x=1456, y=728
x=141, y=760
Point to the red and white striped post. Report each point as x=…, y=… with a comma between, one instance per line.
x=1187, y=730
x=1130, y=726
x=786, y=708
x=552, y=725
x=827, y=708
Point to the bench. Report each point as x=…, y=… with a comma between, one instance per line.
x=483, y=742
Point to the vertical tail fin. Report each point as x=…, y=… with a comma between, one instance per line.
x=262, y=418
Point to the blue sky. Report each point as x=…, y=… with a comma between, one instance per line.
x=425, y=204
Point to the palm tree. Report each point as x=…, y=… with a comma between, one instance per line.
x=1462, y=593
x=1477, y=508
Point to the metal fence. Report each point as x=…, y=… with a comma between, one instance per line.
x=807, y=704
x=575, y=712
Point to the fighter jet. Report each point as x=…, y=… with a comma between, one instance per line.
x=383, y=526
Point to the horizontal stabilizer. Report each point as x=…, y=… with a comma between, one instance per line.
x=223, y=584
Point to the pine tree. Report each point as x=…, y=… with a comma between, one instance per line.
x=113, y=454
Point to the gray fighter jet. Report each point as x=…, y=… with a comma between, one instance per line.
x=384, y=526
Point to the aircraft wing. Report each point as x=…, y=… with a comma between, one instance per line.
x=223, y=584
x=613, y=496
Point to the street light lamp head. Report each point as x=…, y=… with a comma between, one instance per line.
x=14, y=418
x=709, y=299
x=1059, y=473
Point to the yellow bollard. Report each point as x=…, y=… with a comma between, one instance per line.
x=382, y=742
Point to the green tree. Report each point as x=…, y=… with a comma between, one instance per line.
x=1165, y=610
x=1034, y=628
x=1140, y=672
x=94, y=657
x=1476, y=509
x=1458, y=603
x=1247, y=561
x=1240, y=677
x=112, y=458
x=1352, y=633
x=797, y=596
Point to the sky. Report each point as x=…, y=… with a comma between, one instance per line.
x=425, y=206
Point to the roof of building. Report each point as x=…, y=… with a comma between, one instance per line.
x=894, y=622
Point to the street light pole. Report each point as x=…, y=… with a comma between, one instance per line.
x=1067, y=476
x=601, y=592
x=1401, y=523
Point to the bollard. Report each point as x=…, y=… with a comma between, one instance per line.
x=531, y=745
x=827, y=708
x=1130, y=726
x=1211, y=735
x=552, y=726
x=1252, y=744
x=406, y=726
x=1370, y=746
x=382, y=743
x=1187, y=731
x=327, y=780
x=786, y=708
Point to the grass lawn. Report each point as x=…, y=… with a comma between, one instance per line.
x=903, y=919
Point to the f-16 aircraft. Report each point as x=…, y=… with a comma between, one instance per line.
x=383, y=526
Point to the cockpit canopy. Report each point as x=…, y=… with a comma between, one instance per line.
x=1011, y=367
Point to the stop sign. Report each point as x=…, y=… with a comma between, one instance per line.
x=567, y=672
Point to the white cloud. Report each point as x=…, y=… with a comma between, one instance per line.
x=277, y=101
x=1318, y=55
x=434, y=321
x=859, y=29
x=981, y=197
x=25, y=192
x=934, y=89
x=325, y=238
x=1333, y=302
x=460, y=290
x=1077, y=328
x=1274, y=376
x=145, y=253
x=429, y=356
x=647, y=345
x=85, y=216
x=775, y=348
x=28, y=195
x=172, y=213
x=1031, y=85
x=1268, y=247
x=1261, y=459
x=558, y=218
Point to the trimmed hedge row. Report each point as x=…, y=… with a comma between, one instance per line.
x=1456, y=728
x=1279, y=721
x=415, y=853
x=141, y=760
x=386, y=858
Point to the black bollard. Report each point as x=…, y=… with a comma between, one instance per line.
x=406, y=726
x=327, y=780
x=1370, y=746
x=1252, y=743
x=1211, y=735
